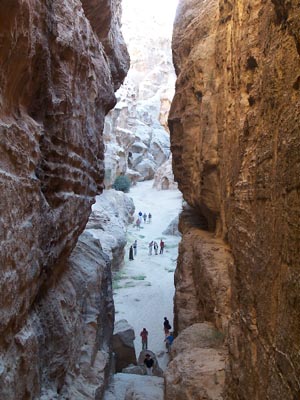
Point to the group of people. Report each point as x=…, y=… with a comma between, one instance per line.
x=148, y=361
x=133, y=250
x=154, y=246
x=143, y=217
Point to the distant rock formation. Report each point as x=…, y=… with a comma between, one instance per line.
x=108, y=222
x=136, y=133
x=59, y=67
x=234, y=125
x=164, y=178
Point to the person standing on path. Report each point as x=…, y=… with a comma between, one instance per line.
x=149, y=364
x=144, y=336
x=131, y=253
x=162, y=246
x=149, y=218
x=167, y=326
x=140, y=216
x=150, y=248
x=155, y=245
x=134, y=247
x=145, y=217
x=169, y=340
x=138, y=224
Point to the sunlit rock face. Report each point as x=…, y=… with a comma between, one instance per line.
x=136, y=134
x=234, y=129
x=57, y=83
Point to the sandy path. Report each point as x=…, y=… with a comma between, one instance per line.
x=144, y=288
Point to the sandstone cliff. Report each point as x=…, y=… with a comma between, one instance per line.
x=59, y=68
x=234, y=126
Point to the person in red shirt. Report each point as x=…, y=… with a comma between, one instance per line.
x=144, y=336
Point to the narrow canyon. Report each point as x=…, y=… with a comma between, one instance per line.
x=234, y=130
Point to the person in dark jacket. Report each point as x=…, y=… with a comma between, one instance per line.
x=131, y=253
x=167, y=326
x=149, y=364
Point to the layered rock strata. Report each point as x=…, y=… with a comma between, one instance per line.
x=57, y=84
x=234, y=126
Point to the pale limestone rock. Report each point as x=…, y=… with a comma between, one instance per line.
x=172, y=228
x=123, y=345
x=156, y=370
x=164, y=178
x=111, y=214
x=64, y=346
x=132, y=387
x=136, y=130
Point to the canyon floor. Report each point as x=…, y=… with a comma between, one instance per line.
x=144, y=287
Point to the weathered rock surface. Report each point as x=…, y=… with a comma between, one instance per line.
x=56, y=87
x=63, y=349
x=108, y=222
x=234, y=127
x=131, y=387
x=197, y=367
x=123, y=345
x=164, y=178
x=203, y=287
x=136, y=133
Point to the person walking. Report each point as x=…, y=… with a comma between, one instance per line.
x=167, y=326
x=155, y=246
x=138, y=224
x=169, y=340
x=145, y=217
x=134, y=247
x=149, y=218
x=131, y=253
x=162, y=246
x=140, y=216
x=150, y=248
x=148, y=361
x=144, y=336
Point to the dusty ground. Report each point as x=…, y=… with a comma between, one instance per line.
x=144, y=288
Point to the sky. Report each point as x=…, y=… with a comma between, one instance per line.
x=163, y=11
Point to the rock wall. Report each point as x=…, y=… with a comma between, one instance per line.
x=234, y=126
x=57, y=84
x=136, y=133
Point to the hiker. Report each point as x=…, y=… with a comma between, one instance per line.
x=162, y=246
x=155, y=246
x=167, y=326
x=138, y=223
x=134, y=247
x=150, y=248
x=149, y=218
x=169, y=340
x=144, y=336
x=140, y=216
x=145, y=217
x=149, y=364
x=131, y=253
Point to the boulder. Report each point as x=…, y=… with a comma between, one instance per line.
x=111, y=214
x=146, y=168
x=123, y=345
x=172, y=228
x=156, y=370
